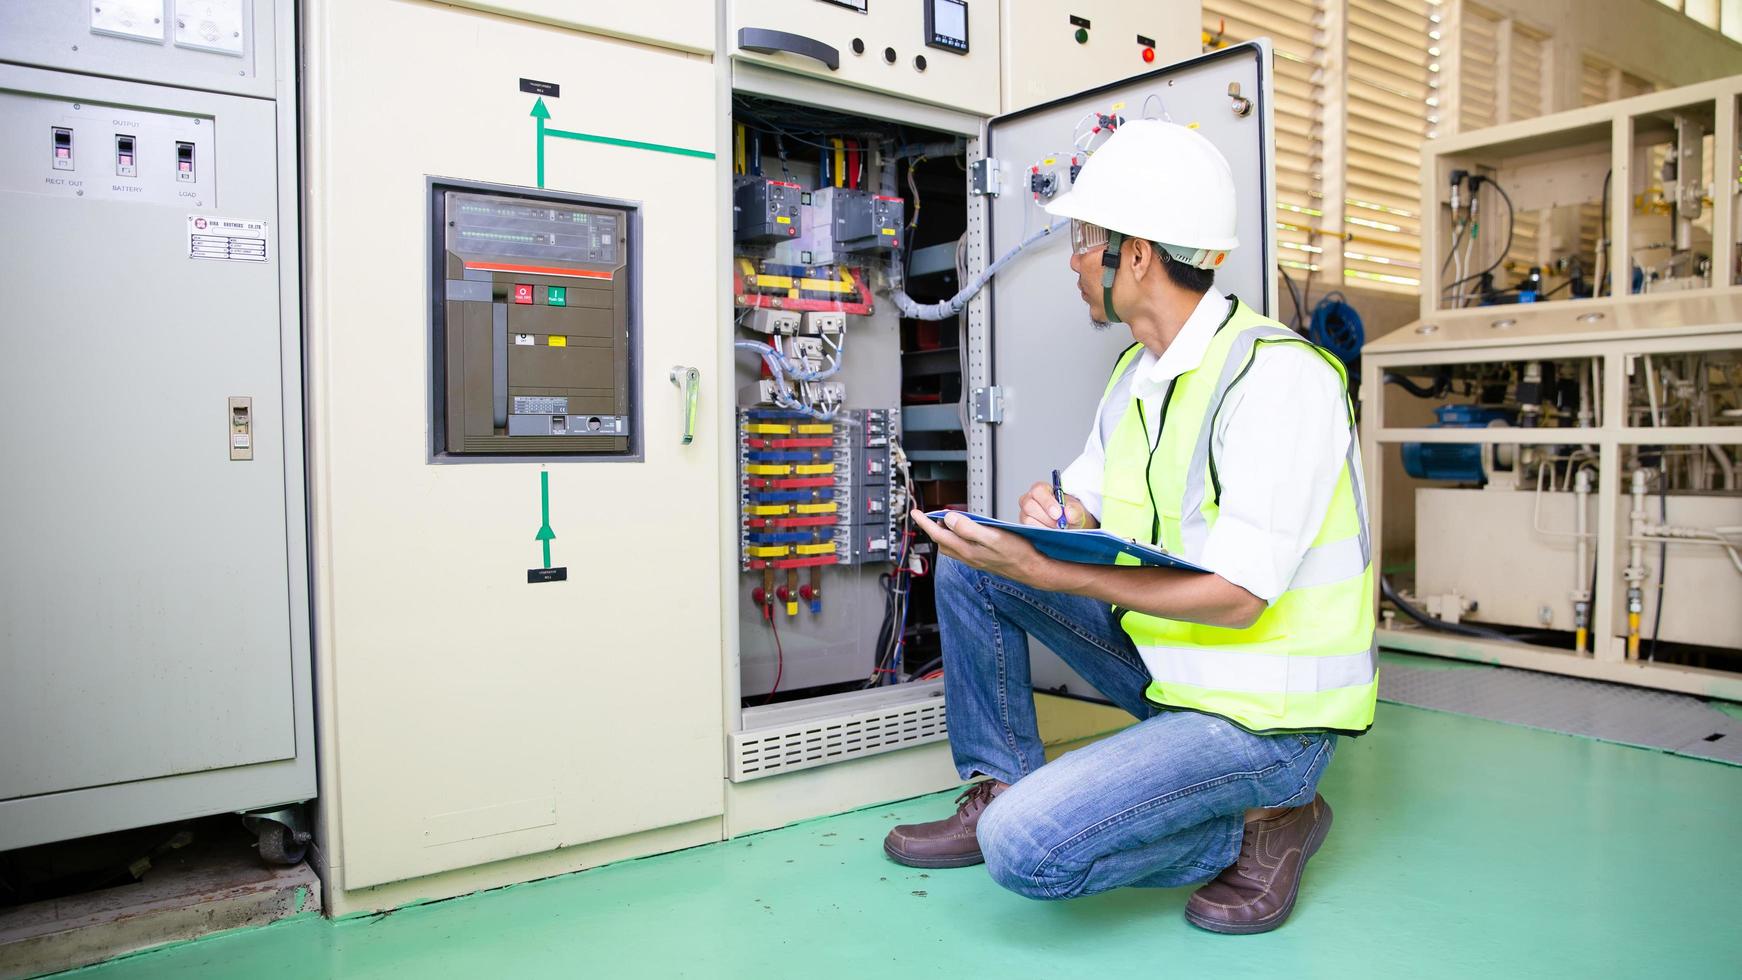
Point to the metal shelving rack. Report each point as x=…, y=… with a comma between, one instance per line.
x=1552, y=162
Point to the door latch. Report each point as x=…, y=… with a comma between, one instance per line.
x=688, y=381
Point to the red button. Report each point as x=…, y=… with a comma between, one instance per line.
x=522, y=293
x=1148, y=55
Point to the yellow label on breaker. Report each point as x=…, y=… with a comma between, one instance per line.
x=889, y=231
x=815, y=430
x=826, y=548
x=1117, y=106
x=559, y=341
x=782, y=220
x=815, y=508
x=812, y=469
x=763, y=470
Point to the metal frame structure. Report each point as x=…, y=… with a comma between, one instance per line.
x=1613, y=330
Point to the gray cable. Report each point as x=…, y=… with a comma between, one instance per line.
x=955, y=304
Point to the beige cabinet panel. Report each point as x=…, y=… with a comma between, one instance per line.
x=685, y=24
x=1043, y=60
x=891, y=36
x=470, y=716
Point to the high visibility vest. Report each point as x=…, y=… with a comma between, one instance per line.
x=1309, y=663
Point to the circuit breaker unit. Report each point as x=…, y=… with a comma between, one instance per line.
x=767, y=210
x=535, y=335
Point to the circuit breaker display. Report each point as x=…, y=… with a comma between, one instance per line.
x=535, y=333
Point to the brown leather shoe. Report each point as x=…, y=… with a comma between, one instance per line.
x=1257, y=892
x=946, y=843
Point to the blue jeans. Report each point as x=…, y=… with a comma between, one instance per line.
x=1159, y=804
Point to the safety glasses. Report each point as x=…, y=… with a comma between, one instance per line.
x=1086, y=237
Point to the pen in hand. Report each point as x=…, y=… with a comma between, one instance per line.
x=1059, y=495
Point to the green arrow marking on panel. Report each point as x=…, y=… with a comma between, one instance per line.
x=542, y=113
x=545, y=534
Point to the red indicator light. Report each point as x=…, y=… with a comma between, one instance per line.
x=1148, y=55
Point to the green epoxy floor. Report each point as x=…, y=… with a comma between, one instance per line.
x=1462, y=848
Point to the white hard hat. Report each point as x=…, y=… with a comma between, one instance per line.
x=1162, y=182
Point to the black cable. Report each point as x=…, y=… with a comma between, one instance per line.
x=930, y=665
x=1442, y=384
x=1557, y=289
x=1461, y=629
x=1662, y=563
x=1602, y=241
x=1511, y=226
x=1294, y=294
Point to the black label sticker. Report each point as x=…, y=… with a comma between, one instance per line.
x=1082, y=22
x=537, y=575
x=536, y=87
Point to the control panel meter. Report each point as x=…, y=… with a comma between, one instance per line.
x=946, y=25
x=535, y=331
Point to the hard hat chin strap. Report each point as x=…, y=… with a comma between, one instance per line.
x=1110, y=266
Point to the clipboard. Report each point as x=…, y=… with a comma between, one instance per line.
x=1086, y=547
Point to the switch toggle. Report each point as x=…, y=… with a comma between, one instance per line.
x=241, y=427
x=61, y=147
x=124, y=156
x=184, y=162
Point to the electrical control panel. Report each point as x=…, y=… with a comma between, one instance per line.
x=535, y=325
x=944, y=52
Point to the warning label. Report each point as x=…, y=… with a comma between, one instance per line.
x=235, y=239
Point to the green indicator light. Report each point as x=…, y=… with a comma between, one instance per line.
x=1082, y=35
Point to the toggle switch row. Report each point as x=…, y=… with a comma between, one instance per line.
x=62, y=156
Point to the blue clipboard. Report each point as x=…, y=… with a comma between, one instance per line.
x=1095, y=547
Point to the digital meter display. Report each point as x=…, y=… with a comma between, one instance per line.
x=946, y=25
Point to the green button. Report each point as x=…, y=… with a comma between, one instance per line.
x=1082, y=36
x=556, y=295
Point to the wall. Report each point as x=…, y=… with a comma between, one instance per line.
x=1640, y=36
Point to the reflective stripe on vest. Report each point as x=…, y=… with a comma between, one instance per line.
x=1308, y=662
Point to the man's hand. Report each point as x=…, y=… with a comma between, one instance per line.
x=989, y=549
x=1038, y=507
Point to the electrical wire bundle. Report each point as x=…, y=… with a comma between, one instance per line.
x=897, y=583
x=1471, y=224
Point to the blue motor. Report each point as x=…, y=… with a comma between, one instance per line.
x=1451, y=461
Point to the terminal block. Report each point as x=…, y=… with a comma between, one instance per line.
x=813, y=493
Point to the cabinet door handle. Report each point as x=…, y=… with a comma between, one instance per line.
x=688, y=380
x=769, y=41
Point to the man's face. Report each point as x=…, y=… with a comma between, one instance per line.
x=1087, y=266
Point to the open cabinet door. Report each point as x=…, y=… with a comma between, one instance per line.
x=1049, y=365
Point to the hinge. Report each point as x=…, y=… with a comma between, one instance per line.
x=987, y=405
x=983, y=177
